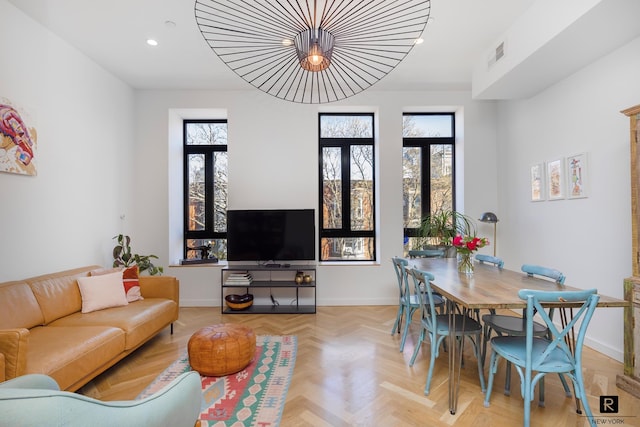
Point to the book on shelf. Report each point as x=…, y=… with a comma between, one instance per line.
x=238, y=279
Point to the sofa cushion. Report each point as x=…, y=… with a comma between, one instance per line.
x=100, y=292
x=139, y=319
x=131, y=283
x=57, y=293
x=130, y=280
x=70, y=353
x=18, y=307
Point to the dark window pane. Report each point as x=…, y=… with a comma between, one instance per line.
x=441, y=178
x=217, y=248
x=331, y=188
x=220, y=181
x=347, y=248
x=362, y=187
x=412, y=186
x=196, y=185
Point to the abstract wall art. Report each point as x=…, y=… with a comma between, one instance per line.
x=18, y=140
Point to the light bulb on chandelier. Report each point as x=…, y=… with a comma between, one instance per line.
x=314, y=48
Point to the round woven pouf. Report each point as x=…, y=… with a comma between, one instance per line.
x=223, y=349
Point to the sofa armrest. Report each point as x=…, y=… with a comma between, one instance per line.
x=176, y=405
x=160, y=287
x=13, y=345
x=32, y=381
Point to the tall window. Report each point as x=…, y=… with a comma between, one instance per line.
x=205, y=188
x=428, y=159
x=347, y=187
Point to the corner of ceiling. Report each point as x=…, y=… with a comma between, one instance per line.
x=551, y=41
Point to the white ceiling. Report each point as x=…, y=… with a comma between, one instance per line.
x=114, y=34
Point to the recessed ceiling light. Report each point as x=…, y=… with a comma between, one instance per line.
x=152, y=42
x=419, y=41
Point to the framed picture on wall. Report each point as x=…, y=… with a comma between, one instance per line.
x=555, y=179
x=537, y=182
x=577, y=175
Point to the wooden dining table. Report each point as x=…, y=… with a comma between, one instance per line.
x=488, y=287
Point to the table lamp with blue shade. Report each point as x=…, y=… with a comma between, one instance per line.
x=491, y=218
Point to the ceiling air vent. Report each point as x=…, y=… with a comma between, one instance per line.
x=497, y=54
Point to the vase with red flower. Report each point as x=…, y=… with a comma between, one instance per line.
x=465, y=247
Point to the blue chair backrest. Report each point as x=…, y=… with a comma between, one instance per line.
x=400, y=267
x=535, y=303
x=426, y=253
x=482, y=258
x=551, y=273
x=422, y=288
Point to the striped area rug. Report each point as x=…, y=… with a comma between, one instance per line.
x=254, y=396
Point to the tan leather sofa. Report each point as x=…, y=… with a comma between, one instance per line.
x=42, y=328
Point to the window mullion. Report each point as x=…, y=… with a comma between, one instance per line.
x=346, y=187
x=425, y=179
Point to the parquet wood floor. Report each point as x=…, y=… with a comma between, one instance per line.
x=349, y=372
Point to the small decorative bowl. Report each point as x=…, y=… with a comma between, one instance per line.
x=239, y=302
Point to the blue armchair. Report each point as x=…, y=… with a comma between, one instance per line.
x=36, y=400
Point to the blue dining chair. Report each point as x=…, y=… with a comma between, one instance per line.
x=482, y=258
x=437, y=326
x=559, y=352
x=408, y=302
x=508, y=325
x=426, y=253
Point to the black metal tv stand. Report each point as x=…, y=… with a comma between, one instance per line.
x=227, y=285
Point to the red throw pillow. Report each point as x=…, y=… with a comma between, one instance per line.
x=131, y=283
x=130, y=280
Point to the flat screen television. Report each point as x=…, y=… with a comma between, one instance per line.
x=271, y=235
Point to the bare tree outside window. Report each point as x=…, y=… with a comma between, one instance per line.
x=206, y=188
x=428, y=170
x=347, y=174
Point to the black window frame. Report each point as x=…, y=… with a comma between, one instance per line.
x=425, y=143
x=208, y=151
x=345, y=145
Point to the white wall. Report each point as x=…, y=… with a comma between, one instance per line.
x=588, y=239
x=66, y=215
x=273, y=157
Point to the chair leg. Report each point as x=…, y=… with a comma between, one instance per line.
x=432, y=362
x=418, y=346
x=567, y=390
x=579, y=390
x=398, y=323
x=407, y=321
x=527, y=406
x=493, y=368
x=480, y=363
x=486, y=333
x=507, y=380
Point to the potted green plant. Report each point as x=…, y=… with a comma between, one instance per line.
x=438, y=229
x=122, y=257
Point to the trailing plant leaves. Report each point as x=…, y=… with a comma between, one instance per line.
x=122, y=257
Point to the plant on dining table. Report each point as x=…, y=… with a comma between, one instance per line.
x=465, y=247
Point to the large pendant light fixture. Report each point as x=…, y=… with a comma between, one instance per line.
x=312, y=51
